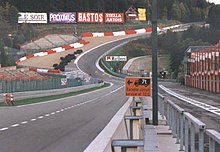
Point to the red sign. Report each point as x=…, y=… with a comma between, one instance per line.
x=88, y=17
x=108, y=58
x=114, y=18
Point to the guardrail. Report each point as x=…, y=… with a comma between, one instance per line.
x=185, y=127
x=41, y=93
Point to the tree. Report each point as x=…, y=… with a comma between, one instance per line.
x=3, y=55
x=176, y=11
x=9, y=14
x=214, y=16
x=100, y=6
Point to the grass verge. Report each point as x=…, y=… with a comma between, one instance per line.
x=53, y=97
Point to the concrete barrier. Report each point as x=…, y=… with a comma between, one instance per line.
x=116, y=129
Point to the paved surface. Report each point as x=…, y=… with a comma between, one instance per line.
x=49, y=60
x=143, y=63
x=166, y=141
x=210, y=119
x=65, y=125
x=162, y=135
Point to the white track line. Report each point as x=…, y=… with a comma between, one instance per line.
x=192, y=101
x=111, y=84
x=15, y=125
x=3, y=129
x=59, y=111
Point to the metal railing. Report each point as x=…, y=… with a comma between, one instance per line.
x=185, y=127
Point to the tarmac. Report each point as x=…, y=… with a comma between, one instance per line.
x=157, y=138
x=159, y=135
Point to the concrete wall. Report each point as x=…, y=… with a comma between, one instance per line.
x=116, y=129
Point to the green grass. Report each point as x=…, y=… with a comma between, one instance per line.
x=53, y=97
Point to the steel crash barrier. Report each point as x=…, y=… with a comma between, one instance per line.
x=189, y=131
x=141, y=135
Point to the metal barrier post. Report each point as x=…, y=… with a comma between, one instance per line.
x=195, y=123
x=169, y=116
x=181, y=130
x=211, y=145
x=192, y=137
x=173, y=122
x=186, y=135
x=214, y=137
x=201, y=139
x=177, y=127
x=161, y=105
x=177, y=121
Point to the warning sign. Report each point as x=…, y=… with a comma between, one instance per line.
x=63, y=81
x=138, y=86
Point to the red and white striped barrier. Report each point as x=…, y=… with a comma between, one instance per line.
x=45, y=70
x=119, y=33
x=55, y=50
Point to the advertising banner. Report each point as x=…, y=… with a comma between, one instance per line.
x=116, y=58
x=32, y=18
x=114, y=17
x=142, y=14
x=88, y=17
x=62, y=17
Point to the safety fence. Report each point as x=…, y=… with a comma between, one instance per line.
x=189, y=131
x=53, y=82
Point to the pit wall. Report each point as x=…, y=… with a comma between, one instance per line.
x=116, y=129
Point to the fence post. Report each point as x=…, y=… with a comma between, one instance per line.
x=201, y=139
x=186, y=134
x=192, y=137
x=181, y=130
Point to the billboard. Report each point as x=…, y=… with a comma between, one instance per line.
x=32, y=18
x=62, y=17
x=116, y=58
x=114, y=17
x=141, y=14
x=88, y=17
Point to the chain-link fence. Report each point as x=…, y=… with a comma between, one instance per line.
x=44, y=84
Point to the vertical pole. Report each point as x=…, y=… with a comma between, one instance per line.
x=131, y=129
x=211, y=145
x=186, y=135
x=181, y=131
x=192, y=138
x=154, y=63
x=147, y=12
x=201, y=140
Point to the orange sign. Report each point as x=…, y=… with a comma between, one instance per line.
x=138, y=86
